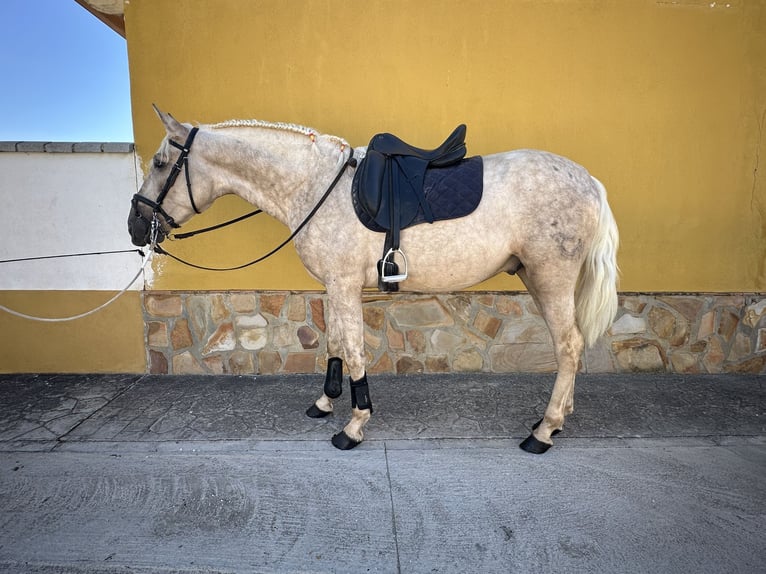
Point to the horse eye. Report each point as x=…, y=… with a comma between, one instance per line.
x=158, y=163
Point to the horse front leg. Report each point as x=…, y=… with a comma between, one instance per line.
x=333, y=382
x=346, y=314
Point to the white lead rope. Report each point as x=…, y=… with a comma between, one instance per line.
x=147, y=258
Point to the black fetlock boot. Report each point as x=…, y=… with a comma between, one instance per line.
x=333, y=386
x=360, y=399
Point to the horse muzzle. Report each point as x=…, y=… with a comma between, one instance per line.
x=141, y=227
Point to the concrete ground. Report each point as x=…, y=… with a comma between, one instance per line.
x=127, y=473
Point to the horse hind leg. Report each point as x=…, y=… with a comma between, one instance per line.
x=553, y=293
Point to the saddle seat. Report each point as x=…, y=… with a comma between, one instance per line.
x=452, y=150
x=388, y=188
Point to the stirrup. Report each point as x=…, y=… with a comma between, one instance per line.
x=390, y=257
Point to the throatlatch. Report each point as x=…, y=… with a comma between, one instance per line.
x=360, y=394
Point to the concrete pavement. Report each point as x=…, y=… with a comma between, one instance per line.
x=129, y=473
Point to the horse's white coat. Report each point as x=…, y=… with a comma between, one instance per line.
x=538, y=208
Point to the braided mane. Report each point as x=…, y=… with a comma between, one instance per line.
x=279, y=126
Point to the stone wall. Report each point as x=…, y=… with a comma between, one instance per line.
x=242, y=332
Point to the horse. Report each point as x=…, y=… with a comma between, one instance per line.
x=542, y=217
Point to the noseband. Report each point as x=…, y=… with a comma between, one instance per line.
x=156, y=205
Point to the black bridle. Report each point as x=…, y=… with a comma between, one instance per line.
x=181, y=162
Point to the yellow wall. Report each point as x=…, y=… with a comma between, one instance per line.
x=663, y=101
x=108, y=342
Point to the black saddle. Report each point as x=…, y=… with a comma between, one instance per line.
x=388, y=185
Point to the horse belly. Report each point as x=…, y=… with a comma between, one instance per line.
x=455, y=254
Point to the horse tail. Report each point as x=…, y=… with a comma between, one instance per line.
x=596, y=290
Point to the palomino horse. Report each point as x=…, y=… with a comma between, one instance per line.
x=542, y=217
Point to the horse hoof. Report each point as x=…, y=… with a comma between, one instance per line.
x=538, y=423
x=316, y=413
x=342, y=441
x=534, y=446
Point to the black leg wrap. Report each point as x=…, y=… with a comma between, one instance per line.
x=333, y=382
x=534, y=446
x=538, y=423
x=342, y=441
x=360, y=394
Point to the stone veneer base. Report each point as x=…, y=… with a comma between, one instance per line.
x=246, y=332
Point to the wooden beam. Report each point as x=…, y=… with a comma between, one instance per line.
x=110, y=12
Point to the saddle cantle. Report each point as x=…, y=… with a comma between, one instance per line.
x=397, y=185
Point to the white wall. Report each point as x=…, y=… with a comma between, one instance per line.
x=67, y=198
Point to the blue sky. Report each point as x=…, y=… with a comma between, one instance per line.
x=63, y=74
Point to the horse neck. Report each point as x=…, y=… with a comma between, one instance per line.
x=276, y=171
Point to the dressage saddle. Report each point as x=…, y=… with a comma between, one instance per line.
x=389, y=187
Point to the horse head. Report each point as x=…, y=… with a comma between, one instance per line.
x=161, y=204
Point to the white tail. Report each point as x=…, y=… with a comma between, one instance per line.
x=596, y=290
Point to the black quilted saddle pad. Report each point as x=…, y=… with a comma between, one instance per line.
x=452, y=192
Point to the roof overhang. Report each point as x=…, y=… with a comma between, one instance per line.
x=110, y=12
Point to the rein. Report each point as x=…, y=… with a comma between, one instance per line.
x=351, y=161
x=214, y=227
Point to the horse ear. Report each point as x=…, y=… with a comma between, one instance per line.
x=172, y=126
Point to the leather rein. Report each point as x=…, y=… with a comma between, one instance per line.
x=183, y=162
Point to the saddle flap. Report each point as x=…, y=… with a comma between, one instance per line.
x=402, y=193
x=368, y=181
